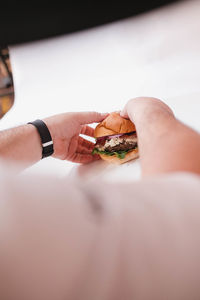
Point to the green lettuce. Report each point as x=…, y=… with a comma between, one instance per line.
x=120, y=154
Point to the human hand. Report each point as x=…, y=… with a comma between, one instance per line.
x=154, y=122
x=162, y=139
x=65, y=130
x=142, y=109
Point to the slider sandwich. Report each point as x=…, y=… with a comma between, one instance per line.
x=116, y=139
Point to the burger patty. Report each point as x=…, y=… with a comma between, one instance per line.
x=122, y=143
x=121, y=147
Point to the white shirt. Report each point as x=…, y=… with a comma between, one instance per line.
x=61, y=239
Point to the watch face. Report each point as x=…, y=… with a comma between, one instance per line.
x=6, y=82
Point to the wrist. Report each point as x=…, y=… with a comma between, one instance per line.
x=36, y=140
x=46, y=142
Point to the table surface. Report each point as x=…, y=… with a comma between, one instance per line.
x=154, y=54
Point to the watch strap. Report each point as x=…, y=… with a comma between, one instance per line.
x=46, y=139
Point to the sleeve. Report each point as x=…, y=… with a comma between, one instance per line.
x=68, y=240
x=51, y=232
x=159, y=240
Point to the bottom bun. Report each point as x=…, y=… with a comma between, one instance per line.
x=115, y=160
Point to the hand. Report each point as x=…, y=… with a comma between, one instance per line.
x=65, y=130
x=162, y=139
x=142, y=109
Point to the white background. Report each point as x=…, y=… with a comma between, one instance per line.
x=154, y=54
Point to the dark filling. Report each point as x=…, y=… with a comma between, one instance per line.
x=120, y=150
x=122, y=146
x=119, y=154
x=102, y=140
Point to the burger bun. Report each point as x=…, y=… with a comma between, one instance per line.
x=113, y=124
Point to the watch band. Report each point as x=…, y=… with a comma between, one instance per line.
x=46, y=139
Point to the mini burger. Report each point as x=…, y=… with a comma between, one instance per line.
x=116, y=139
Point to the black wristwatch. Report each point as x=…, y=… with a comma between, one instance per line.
x=46, y=139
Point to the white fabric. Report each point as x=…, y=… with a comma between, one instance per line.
x=153, y=54
x=61, y=239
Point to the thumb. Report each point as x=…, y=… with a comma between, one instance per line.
x=90, y=117
x=124, y=113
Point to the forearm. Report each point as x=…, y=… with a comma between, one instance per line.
x=167, y=145
x=21, y=145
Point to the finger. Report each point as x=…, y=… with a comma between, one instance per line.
x=87, y=130
x=84, y=158
x=83, y=150
x=85, y=143
x=90, y=117
x=124, y=113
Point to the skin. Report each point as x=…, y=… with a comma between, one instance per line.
x=165, y=144
x=22, y=144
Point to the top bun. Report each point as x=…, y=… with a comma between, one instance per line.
x=113, y=124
